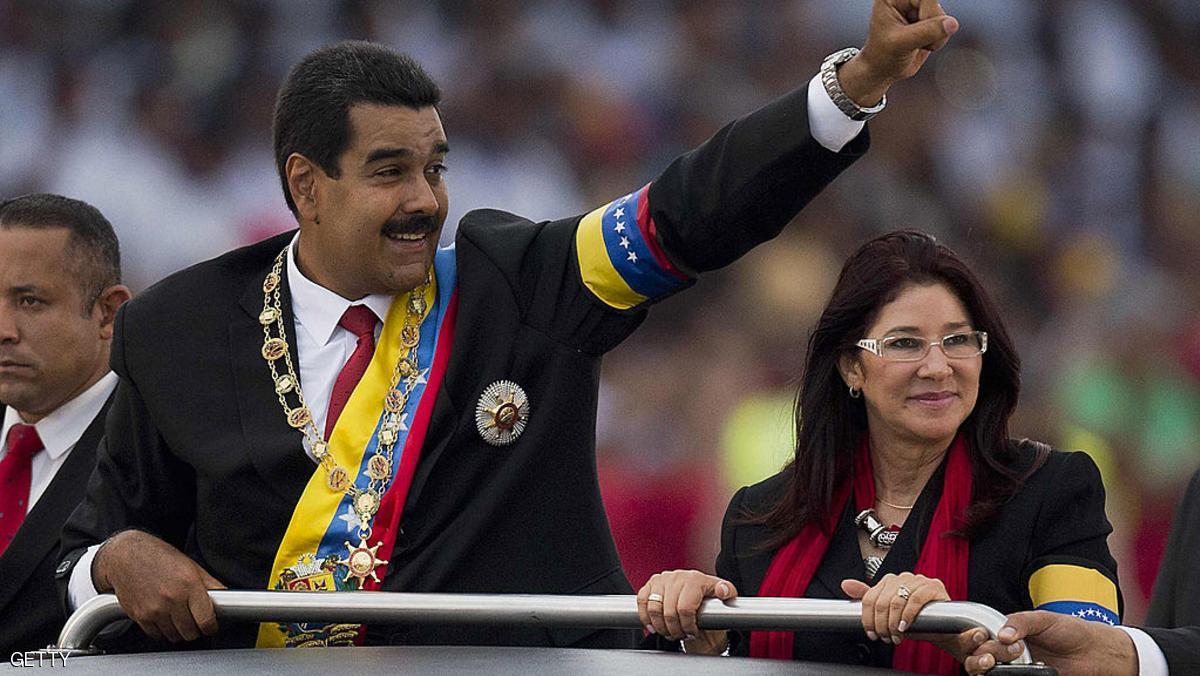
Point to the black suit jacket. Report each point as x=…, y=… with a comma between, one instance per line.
x=1181, y=647
x=30, y=614
x=199, y=452
x=1176, y=598
x=1056, y=517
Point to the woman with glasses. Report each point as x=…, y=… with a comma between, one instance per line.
x=905, y=487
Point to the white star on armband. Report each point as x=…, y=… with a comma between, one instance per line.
x=403, y=421
x=619, y=227
x=624, y=242
x=633, y=256
x=619, y=212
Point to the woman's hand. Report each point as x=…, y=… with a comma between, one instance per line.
x=668, y=604
x=889, y=608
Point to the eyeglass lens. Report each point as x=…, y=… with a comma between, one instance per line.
x=955, y=345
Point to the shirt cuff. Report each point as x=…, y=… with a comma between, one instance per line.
x=81, y=588
x=1151, y=661
x=827, y=123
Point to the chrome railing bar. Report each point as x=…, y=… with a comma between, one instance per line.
x=783, y=614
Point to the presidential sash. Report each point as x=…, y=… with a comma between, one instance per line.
x=322, y=536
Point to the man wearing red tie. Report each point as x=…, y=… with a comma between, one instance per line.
x=59, y=292
x=351, y=406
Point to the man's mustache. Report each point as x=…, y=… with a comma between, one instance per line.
x=408, y=226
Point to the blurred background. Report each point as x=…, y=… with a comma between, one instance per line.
x=1052, y=144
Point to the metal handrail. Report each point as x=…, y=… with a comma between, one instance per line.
x=781, y=614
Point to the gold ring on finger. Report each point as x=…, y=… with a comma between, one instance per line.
x=654, y=598
x=903, y=592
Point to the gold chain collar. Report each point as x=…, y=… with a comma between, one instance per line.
x=365, y=502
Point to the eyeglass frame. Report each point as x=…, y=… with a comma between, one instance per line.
x=875, y=346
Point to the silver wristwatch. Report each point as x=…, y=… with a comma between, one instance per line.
x=838, y=95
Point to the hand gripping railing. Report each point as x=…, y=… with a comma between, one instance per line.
x=783, y=614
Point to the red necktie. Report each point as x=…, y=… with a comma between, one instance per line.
x=359, y=320
x=15, y=472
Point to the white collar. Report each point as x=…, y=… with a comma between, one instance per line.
x=62, y=428
x=318, y=310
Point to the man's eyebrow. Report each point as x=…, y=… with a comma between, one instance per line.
x=403, y=153
x=28, y=288
x=388, y=154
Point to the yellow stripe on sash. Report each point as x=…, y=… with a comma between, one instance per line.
x=599, y=275
x=319, y=504
x=1079, y=584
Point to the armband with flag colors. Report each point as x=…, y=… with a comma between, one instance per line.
x=620, y=258
x=1075, y=590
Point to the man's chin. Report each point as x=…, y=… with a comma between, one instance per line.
x=406, y=276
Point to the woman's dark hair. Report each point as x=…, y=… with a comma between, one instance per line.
x=830, y=424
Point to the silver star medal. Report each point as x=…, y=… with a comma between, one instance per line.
x=502, y=413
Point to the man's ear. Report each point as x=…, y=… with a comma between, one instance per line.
x=302, y=184
x=110, y=300
x=850, y=369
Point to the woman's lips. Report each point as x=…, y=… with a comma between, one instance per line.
x=935, y=399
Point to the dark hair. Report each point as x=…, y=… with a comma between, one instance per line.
x=92, y=237
x=312, y=111
x=830, y=424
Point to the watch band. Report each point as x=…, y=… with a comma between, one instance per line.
x=838, y=95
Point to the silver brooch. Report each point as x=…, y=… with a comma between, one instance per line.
x=502, y=412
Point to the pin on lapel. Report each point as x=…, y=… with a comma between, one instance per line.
x=502, y=413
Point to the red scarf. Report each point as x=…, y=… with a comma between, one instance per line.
x=942, y=557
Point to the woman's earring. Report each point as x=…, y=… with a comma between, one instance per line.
x=855, y=393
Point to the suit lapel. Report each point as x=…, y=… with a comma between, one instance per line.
x=276, y=449
x=39, y=533
x=842, y=559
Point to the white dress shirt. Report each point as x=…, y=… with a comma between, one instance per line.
x=58, y=431
x=1151, y=660
x=323, y=347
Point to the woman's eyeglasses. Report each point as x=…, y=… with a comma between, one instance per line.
x=963, y=345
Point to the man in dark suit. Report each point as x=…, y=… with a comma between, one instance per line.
x=1176, y=598
x=268, y=432
x=60, y=286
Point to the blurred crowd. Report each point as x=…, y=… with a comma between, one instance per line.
x=1052, y=144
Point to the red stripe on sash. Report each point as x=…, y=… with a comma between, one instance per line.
x=387, y=520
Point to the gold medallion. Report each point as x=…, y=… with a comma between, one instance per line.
x=361, y=561
x=406, y=368
x=268, y=316
x=418, y=305
x=366, y=504
x=379, y=467
x=274, y=349
x=284, y=384
x=320, y=449
x=338, y=480
x=410, y=336
x=271, y=282
x=395, y=401
x=299, y=417
x=387, y=436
